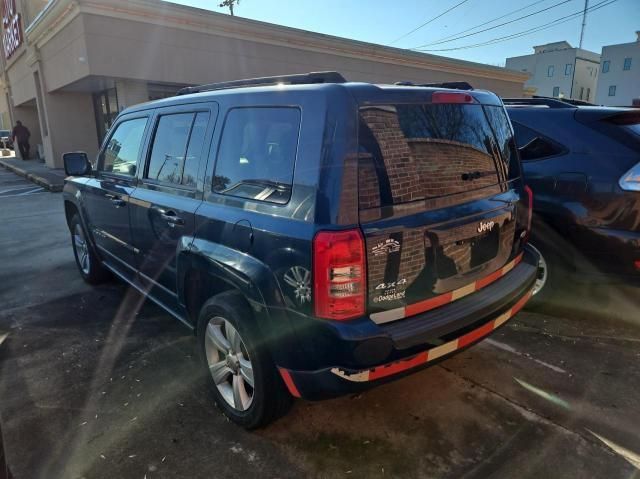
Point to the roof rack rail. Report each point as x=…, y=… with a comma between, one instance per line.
x=454, y=85
x=570, y=101
x=538, y=101
x=299, y=79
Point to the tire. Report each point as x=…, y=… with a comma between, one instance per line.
x=226, y=326
x=89, y=265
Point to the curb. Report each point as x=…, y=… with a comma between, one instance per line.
x=38, y=180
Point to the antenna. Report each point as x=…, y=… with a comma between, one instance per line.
x=584, y=22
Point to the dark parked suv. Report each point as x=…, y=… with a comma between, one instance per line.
x=318, y=236
x=583, y=164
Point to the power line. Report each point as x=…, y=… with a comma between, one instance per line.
x=496, y=26
x=551, y=24
x=558, y=21
x=429, y=21
x=490, y=21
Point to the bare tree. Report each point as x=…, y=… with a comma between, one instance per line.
x=230, y=4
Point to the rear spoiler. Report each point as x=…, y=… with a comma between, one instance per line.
x=616, y=116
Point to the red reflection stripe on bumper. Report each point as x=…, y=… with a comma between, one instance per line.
x=288, y=381
x=433, y=303
x=434, y=353
x=394, y=368
x=428, y=304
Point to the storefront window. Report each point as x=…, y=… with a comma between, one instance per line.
x=105, y=105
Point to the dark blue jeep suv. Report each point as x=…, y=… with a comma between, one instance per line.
x=318, y=236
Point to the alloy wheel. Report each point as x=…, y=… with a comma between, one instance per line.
x=229, y=363
x=543, y=272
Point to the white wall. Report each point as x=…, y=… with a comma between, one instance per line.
x=627, y=82
x=569, y=83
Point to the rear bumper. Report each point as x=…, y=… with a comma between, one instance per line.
x=379, y=353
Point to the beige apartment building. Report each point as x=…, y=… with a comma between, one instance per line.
x=69, y=66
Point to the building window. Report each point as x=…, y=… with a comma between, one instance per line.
x=588, y=93
x=556, y=91
x=612, y=90
x=550, y=71
x=568, y=68
x=605, y=66
x=581, y=92
x=627, y=64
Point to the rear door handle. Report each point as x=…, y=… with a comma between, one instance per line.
x=116, y=200
x=170, y=217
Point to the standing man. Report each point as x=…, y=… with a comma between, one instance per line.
x=21, y=135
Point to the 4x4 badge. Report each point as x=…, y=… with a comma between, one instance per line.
x=387, y=246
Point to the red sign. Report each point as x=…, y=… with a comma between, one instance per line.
x=11, y=28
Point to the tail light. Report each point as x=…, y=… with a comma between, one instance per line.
x=529, y=193
x=451, y=97
x=339, y=273
x=630, y=181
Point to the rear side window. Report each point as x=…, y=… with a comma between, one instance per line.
x=121, y=153
x=534, y=145
x=257, y=154
x=415, y=152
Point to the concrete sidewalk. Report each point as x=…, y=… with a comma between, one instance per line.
x=49, y=178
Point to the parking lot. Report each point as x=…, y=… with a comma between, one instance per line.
x=97, y=383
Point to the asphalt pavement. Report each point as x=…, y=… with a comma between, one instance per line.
x=97, y=383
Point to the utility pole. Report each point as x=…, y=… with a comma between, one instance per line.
x=584, y=22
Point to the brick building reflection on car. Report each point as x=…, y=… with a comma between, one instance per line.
x=436, y=171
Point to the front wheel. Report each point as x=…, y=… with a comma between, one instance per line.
x=90, y=267
x=245, y=383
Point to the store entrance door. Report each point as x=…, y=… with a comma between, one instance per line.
x=106, y=108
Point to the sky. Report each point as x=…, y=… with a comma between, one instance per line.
x=389, y=22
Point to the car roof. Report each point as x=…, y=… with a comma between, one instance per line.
x=361, y=92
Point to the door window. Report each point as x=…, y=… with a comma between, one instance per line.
x=169, y=148
x=194, y=151
x=177, y=148
x=257, y=154
x=121, y=153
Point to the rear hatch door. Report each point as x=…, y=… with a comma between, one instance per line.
x=439, y=199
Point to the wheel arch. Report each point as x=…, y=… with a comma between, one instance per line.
x=70, y=209
x=206, y=269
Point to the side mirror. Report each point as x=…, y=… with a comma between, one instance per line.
x=76, y=164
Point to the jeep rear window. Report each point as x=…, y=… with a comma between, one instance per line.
x=412, y=152
x=257, y=154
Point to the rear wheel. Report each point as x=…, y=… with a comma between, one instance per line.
x=245, y=383
x=89, y=265
x=548, y=282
